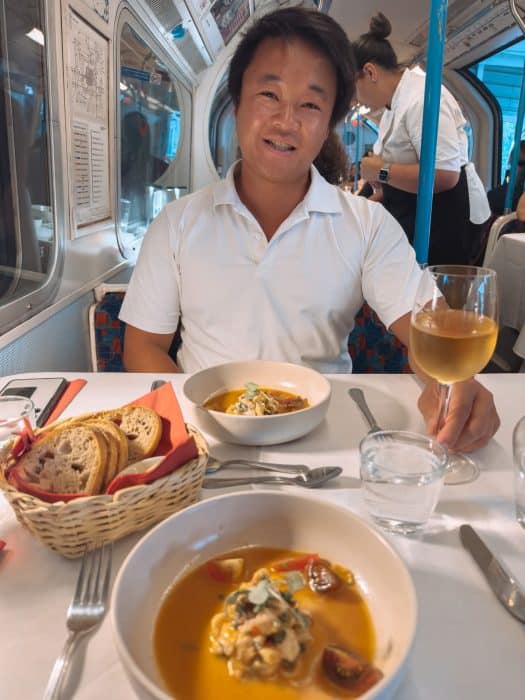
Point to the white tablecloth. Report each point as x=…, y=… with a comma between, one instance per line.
x=466, y=646
x=508, y=260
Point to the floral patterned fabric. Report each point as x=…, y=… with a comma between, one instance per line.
x=373, y=348
x=109, y=333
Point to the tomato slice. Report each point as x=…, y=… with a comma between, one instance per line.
x=294, y=564
x=225, y=570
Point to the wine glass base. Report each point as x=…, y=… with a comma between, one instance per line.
x=460, y=470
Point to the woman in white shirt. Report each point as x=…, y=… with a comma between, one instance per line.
x=460, y=207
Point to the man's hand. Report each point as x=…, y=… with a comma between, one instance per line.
x=471, y=419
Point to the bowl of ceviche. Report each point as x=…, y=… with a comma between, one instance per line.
x=250, y=594
x=258, y=402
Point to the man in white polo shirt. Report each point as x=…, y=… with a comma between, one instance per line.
x=273, y=262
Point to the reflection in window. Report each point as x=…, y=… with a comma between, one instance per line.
x=27, y=236
x=149, y=133
x=224, y=147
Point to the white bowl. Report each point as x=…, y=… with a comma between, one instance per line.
x=257, y=430
x=272, y=519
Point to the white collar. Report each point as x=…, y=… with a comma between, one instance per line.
x=399, y=88
x=320, y=197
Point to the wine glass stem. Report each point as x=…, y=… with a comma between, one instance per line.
x=443, y=402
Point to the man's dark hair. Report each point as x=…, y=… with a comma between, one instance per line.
x=314, y=28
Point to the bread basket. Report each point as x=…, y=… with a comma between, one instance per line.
x=67, y=528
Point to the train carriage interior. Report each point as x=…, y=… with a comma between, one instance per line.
x=111, y=109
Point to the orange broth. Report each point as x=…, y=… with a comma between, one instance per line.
x=221, y=402
x=192, y=672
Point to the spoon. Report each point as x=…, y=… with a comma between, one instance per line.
x=315, y=478
x=358, y=396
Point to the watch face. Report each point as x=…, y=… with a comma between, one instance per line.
x=383, y=175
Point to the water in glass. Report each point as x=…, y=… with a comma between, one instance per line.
x=402, y=475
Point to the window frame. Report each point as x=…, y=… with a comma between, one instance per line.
x=14, y=313
x=126, y=16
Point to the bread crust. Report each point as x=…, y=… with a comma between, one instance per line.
x=118, y=447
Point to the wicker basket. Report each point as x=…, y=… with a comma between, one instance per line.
x=68, y=528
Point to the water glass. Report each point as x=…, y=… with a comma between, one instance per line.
x=16, y=413
x=518, y=449
x=402, y=475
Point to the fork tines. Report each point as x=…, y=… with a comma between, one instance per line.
x=96, y=564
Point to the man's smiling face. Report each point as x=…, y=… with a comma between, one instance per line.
x=283, y=117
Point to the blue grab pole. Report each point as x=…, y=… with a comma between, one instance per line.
x=516, y=150
x=437, y=28
x=357, y=151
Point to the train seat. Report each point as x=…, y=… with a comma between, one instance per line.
x=373, y=348
x=106, y=331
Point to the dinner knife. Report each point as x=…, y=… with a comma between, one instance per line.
x=503, y=584
x=156, y=384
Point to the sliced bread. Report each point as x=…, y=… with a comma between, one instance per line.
x=67, y=460
x=118, y=447
x=142, y=427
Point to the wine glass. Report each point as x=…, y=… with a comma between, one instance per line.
x=453, y=333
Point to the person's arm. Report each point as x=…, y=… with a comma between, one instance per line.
x=472, y=418
x=147, y=352
x=406, y=176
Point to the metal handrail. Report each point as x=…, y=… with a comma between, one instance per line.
x=434, y=68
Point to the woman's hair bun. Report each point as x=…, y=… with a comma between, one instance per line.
x=380, y=27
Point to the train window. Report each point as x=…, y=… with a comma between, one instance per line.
x=502, y=74
x=150, y=133
x=28, y=242
x=224, y=147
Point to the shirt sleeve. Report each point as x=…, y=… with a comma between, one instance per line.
x=448, y=148
x=390, y=273
x=151, y=302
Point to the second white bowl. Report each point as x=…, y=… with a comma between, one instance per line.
x=258, y=430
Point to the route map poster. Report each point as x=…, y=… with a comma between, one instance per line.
x=89, y=113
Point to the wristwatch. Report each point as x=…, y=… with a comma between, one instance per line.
x=384, y=173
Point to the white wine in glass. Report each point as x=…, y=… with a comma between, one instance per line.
x=453, y=333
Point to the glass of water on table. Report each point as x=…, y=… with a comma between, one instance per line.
x=17, y=414
x=402, y=475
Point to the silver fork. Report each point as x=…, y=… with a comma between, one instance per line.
x=214, y=465
x=358, y=396
x=85, y=611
